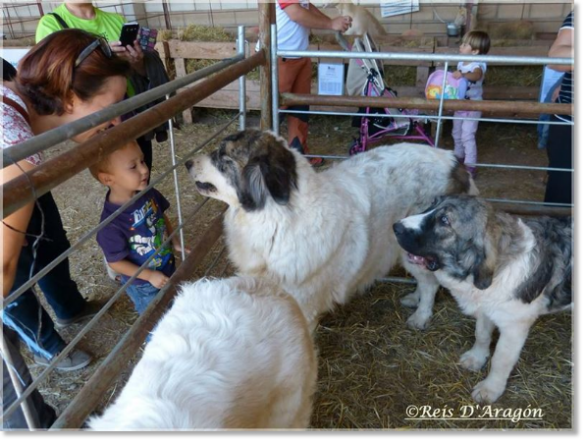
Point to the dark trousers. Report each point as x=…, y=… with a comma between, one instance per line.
x=43, y=415
x=559, y=188
x=146, y=148
x=22, y=315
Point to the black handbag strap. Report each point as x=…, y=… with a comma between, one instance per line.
x=59, y=20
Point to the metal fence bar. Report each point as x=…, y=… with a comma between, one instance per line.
x=93, y=321
x=275, y=91
x=101, y=225
x=176, y=184
x=50, y=138
x=19, y=191
x=441, y=103
x=16, y=383
x=242, y=81
x=86, y=400
x=428, y=57
x=429, y=117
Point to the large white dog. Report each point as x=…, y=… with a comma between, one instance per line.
x=324, y=236
x=231, y=353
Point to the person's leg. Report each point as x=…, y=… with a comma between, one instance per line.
x=456, y=134
x=298, y=124
x=43, y=415
x=24, y=314
x=559, y=187
x=146, y=148
x=468, y=132
x=141, y=295
x=59, y=289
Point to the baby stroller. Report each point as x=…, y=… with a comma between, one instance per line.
x=365, y=77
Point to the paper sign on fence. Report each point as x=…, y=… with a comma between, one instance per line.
x=330, y=79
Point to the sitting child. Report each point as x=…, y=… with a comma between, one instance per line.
x=132, y=237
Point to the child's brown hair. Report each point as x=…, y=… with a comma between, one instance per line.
x=478, y=40
x=103, y=163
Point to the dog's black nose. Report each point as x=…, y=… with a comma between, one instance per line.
x=398, y=229
x=189, y=164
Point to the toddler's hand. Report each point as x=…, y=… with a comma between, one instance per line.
x=457, y=75
x=158, y=279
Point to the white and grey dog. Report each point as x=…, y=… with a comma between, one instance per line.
x=323, y=236
x=503, y=270
x=230, y=353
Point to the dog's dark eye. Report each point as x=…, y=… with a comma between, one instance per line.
x=444, y=220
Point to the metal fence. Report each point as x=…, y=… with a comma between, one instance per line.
x=42, y=179
x=32, y=185
x=441, y=104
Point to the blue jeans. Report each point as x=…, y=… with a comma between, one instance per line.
x=141, y=295
x=22, y=315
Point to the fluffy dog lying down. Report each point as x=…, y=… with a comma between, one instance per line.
x=503, y=270
x=231, y=353
x=323, y=236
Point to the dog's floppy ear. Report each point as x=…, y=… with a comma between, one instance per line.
x=271, y=170
x=483, y=270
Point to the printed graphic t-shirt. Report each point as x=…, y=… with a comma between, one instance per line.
x=137, y=232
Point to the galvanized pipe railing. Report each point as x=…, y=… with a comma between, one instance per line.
x=32, y=281
x=19, y=191
x=429, y=57
x=50, y=138
x=85, y=402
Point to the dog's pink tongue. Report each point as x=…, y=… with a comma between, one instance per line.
x=416, y=259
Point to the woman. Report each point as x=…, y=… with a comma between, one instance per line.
x=559, y=187
x=67, y=76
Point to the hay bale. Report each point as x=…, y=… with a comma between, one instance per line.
x=520, y=29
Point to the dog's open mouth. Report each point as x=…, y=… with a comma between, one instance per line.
x=424, y=261
x=205, y=187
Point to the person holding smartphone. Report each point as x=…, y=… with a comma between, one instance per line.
x=87, y=17
x=148, y=69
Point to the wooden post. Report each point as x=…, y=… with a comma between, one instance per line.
x=266, y=16
x=181, y=71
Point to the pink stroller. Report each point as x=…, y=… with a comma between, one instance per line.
x=365, y=77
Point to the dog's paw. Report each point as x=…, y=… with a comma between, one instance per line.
x=473, y=360
x=410, y=300
x=418, y=321
x=487, y=392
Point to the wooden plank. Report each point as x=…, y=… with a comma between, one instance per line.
x=181, y=71
x=227, y=98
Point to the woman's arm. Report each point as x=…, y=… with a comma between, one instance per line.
x=562, y=48
x=12, y=239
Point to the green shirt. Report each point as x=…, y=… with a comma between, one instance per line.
x=106, y=24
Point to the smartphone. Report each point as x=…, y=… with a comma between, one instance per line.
x=129, y=33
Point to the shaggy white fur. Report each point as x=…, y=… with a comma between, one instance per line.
x=233, y=353
x=334, y=236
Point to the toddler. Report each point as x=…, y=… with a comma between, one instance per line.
x=464, y=130
x=132, y=237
